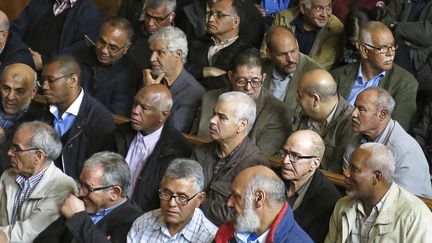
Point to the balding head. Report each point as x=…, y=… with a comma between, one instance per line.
x=283, y=49
x=152, y=106
x=4, y=28
x=18, y=87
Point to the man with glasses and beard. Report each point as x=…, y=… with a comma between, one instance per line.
x=262, y=213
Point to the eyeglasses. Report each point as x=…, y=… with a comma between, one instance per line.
x=383, y=49
x=218, y=14
x=295, y=157
x=15, y=148
x=41, y=82
x=179, y=199
x=88, y=189
x=155, y=18
x=255, y=82
x=100, y=44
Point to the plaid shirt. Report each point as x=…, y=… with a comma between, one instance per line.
x=25, y=188
x=61, y=5
x=151, y=227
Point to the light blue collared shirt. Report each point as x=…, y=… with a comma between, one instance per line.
x=63, y=123
x=360, y=84
x=104, y=212
x=242, y=237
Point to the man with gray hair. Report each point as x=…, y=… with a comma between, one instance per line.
x=372, y=122
x=178, y=220
x=230, y=152
x=34, y=187
x=101, y=212
x=169, y=51
x=262, y=213
x=377, y=209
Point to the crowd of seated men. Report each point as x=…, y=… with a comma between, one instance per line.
x=287, y=80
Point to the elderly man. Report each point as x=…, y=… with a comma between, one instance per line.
x=327, y=113
x=149, y=142
x=376, y=208
x=34, y=187
x=178, y=220
x=230, y=152
x=82, y=122
x=318, y=32
x=169, y=51
x=155, y=15
x=311, y=195
x=376, y=69
x=213, y=59
x=12, y=49
x=50, y=28
x=271, y=125
x=101, y=212
x=285, y=66
x=107, y=73
x=372, y=122
x=262, y=213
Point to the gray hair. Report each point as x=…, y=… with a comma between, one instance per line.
x=366, y=29
x=381, y=159
x=116, y=170
x=250, y=59
x=4, y=22
x=155, y=4
x=175, y=38
x=44, y=137
x=122, y=24
x=182, y=168
x=272, y=185
x=383, y=101
x=67, y=64
x=245, y=107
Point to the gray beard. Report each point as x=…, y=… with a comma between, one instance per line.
x=250, y=221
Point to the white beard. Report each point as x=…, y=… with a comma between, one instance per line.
x=250, y=221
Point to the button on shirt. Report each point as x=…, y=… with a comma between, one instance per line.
x=151, y=227
x=63, y=123
x=360, y=84
x=246, y=237
x=279, y=85
x=139, y=150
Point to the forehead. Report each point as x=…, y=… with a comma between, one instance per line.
x=51, y=69
x=112, y=33
x=92, y=175
x=160, y=11
x=158, y=45
x=248, y=70
x=298, y=143
x=366, y=99
x=15, y=79
x=359, y=158
x=183, y=185
x=22, y=136
x=321, y=2
x=225, y=107
x=283, y=41
x=381, y=36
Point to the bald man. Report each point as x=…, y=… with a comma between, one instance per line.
x=310, y=194
x=149, y=142
x=327, y=113
x=262, y=213
x=376, y=69
x=12, y=49
x=18, y=88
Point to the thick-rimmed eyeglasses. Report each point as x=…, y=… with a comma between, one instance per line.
x=156, y=19
x=15, y=148
x=383, y=49
x=41, y=82
x=218, y=14
x=255, y=82
x=100, y=44
x=179, y=199
x=295, y=157
x=86, y=189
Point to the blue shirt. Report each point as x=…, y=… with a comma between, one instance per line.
x=360, y=84
x=64, y=122
x=274, y=6
x=104, y=212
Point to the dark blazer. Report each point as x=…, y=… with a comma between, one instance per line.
x=313, y=214
x=114, y=86
x=15, y=51
x=88, y=135
x=171, y=145
x=80, y=227
x=83, y=19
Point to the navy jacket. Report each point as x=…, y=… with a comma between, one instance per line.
x=15, y=51
x=83, y=19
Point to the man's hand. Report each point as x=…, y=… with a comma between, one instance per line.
x=148, y=78
x=212, y=72
x=71, y=206
x=37, y=59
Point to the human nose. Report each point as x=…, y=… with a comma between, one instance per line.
x=10, y=95
x=347, y=172
x=172, y=201
x=354, y=112
x=230, y=202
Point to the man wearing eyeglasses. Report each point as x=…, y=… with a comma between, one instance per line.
x=376, y=69
x=32, y=190
x=310, y=194
x=107, y=73
x=101, y=212
x=324, y=111
x=83, y=123
x=271, y=126
x=179, y=218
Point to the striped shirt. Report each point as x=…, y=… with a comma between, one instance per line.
x=61, y=5
x=151, y=227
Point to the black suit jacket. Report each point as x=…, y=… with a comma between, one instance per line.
x=80, y=227
x=171, y=145
x=313, y=215
x=15, y=51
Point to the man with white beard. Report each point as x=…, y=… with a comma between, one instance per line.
x=262, y=213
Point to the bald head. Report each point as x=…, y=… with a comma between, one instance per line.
x=370, y=29
x=309, y=140
x=160, y=96
x=278, y=34
x=319, y=82
x=4, y=21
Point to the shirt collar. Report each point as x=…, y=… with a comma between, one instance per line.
x=32, y=181
x=361, y=80
x=243, y=237
x=224, y=43
x=73, y=108
x=188, y=230
x=149, y=138
x=276, y=75
x=70, y=2
x=16, y=116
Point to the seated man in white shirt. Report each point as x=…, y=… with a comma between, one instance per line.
x=179, y=219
